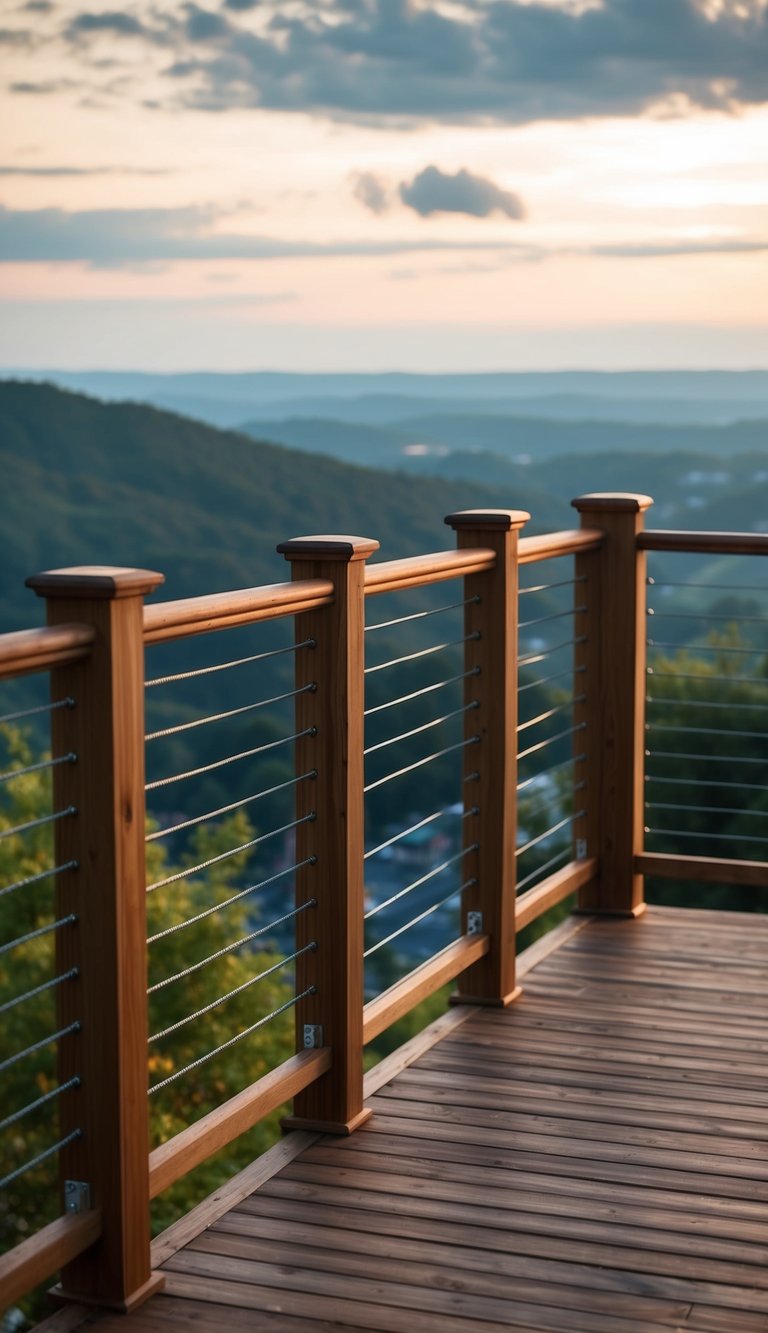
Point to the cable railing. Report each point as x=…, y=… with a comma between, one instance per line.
x=341, y=820
x=706, y=708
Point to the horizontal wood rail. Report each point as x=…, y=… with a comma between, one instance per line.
x=42, y=1255
x=417, y=571
x=226, y=610
x=29, y=650
x=705, y=543
x=422, y=982
x=214, y=1131
x=710, y=870
x=573, y=541
x=536, y=901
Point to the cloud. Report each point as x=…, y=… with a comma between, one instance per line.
x=115, y=22
x=480, y=61
x=434, y=191
x=83, y=171
x=372, y=191
x=130, y=238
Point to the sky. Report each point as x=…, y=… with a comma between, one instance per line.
x=384, y=184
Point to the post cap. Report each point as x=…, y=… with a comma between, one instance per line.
x=95, y=581
x=502, y=520
x=329, y=546
x=617, y=501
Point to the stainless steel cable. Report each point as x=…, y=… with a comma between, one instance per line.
x=421, y=615
x=36, y=879
x=424, y=652
x=421, y=917
x=70, y=758
x=705, y=782
x=658, y=644
x=230, y=759
x=430, y=819
x=710, y=758
x=416, y=694
x=39, y=1045
x=226, y=666
x=541, y=870
x=225, y=1046
x=705, y=731
x=551, y=712
x=550, y=740
x=227, y=809
x=425, y=726
x=706, y=809
x=423, y=879
x=706, y=615
x=32, y=712
x=38, y=823
x=542, y=837
x=555, y=615
x=230, y=712
x=238, y=990
x=428, y=759
x=39, y=990
x=228, y=902
x=546, y=587
x=41, y=1157
x=230, y=948
x=231, y=851
x=36, y=934
x=546, y=680
x=705, y=835
x=40, y=1101
x=532, y=658
x=710, y=587
x=706, y=678
x=706, y=703
x=547, y=773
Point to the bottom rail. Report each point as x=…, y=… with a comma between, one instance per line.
x=552, y=890
x=422, y=982
x=711, y=870
x=214, y=1131
x=42, y=1255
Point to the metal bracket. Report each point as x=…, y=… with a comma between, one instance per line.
x=313, y=1036
x=474, y=923
x=581, y=849
x=77, y=1196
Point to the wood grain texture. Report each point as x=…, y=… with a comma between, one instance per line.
x=422, y=982
x=29, y=650
x=334, y=838
x=214, y=1131
x=534, y=902
x=225, y=610
x=708, y=543
x=552, y=545
x=107, y=943
x=35, y=1259
x=418, y=571
x=490, y=767
x=710, y=870
x=614, y=655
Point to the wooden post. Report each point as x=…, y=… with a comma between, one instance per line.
x=334, y=1104
x=494, y=619
x=107, y=944
x=614, y=739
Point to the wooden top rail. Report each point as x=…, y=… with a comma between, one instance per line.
x=226, y=610
x=41, y=1255
x=417, y=571
x=552, y=544
x=29, y=650
x=705, y=543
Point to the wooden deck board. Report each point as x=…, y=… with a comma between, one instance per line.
x=592, y=1160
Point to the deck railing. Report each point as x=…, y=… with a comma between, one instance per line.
x=577, y=618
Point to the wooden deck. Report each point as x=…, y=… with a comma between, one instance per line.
x=594, y=1158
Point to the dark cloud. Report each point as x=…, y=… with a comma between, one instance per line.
x=372, y=191
x=16, y=37
x=502, y=61
x=131, y=238
x=434, y=191
x=112, y=21
x=39, y=7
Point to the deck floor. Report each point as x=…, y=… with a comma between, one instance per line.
x=594, y=1158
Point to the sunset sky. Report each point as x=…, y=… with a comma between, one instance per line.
x=384, y=184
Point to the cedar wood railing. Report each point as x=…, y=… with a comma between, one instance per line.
x=93, y=648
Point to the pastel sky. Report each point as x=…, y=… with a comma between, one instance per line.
x=384, y=184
